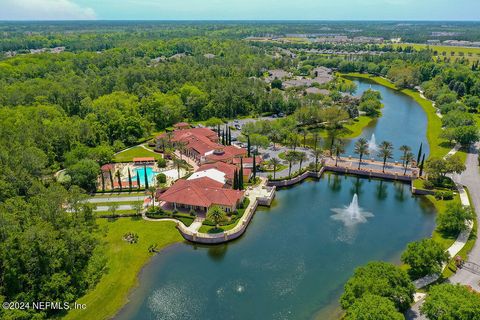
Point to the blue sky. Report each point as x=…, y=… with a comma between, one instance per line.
x=240, y=9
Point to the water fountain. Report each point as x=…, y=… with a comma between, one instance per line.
x=372, y=144
x=352, y=214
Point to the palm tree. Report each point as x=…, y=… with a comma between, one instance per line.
x=169, y=136
x=293, y=140
x=274, y=162
x=113, y=209
x=315, y=140
x=304, y=134
x=405, y=149
x=301, y=157
x=151, y=191
x=361, y=148
x=179, y=163
x=137, y=207
x=338, y=149
x=181, y=147
x=385, y=151
x=275, y=137
x=119, y=180
x=291, y=157
x=129, y=180
x=407, y=159
x=216, y=214
x=317, y=153
x=161, y=144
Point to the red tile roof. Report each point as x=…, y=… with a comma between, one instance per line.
x=202, y=192
x=258, y=160
x=144, y=159
x=228, y=169
x=125, y=184
x=182, y=125
x=202, y=140
x=205, y=132
x=229, y=153
x=108, y=167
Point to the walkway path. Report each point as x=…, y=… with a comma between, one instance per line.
x=196, y=224
x=471, y=179
x=462, y=238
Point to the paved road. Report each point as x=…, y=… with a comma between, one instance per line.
x=471, y=179
x=121, y=207
x=414, y=312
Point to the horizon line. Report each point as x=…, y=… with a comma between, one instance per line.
x=236, y=20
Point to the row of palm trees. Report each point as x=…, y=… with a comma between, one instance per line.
x=362, y=148
x=384, y=151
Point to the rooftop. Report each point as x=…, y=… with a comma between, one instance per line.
x=201, y=192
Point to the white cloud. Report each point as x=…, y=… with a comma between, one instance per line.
x=44, y=10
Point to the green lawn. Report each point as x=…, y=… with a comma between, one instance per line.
x=451, y=268
x=124, y=263
x=471, y=54
x=206, y=229
x=355, y=129
x=438, y=147
x=441, y=206
x=118, y=212
x=135, y=152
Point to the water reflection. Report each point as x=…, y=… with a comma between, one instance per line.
x=382, y=193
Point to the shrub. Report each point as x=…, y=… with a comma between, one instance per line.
x=162, y=163
x=444, y=195
x=429, y=185
x=161, y=178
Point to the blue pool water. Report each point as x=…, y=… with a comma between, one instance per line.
x=141, y=174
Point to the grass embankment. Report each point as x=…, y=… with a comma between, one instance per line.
x=135, y=152
x=124, y=262
x=438, y=147
x=120, y=203
x=441, y=206
x=451, y=268
x=355, y=128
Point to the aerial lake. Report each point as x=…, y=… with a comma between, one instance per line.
x=403, y=121
x=295, y=258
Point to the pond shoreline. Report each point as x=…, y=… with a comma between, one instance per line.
x=130, y=292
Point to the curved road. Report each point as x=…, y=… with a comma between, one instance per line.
x=471, y=179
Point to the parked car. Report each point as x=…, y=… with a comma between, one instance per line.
x=238, y=127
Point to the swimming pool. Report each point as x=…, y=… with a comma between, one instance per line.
x=140, y=172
